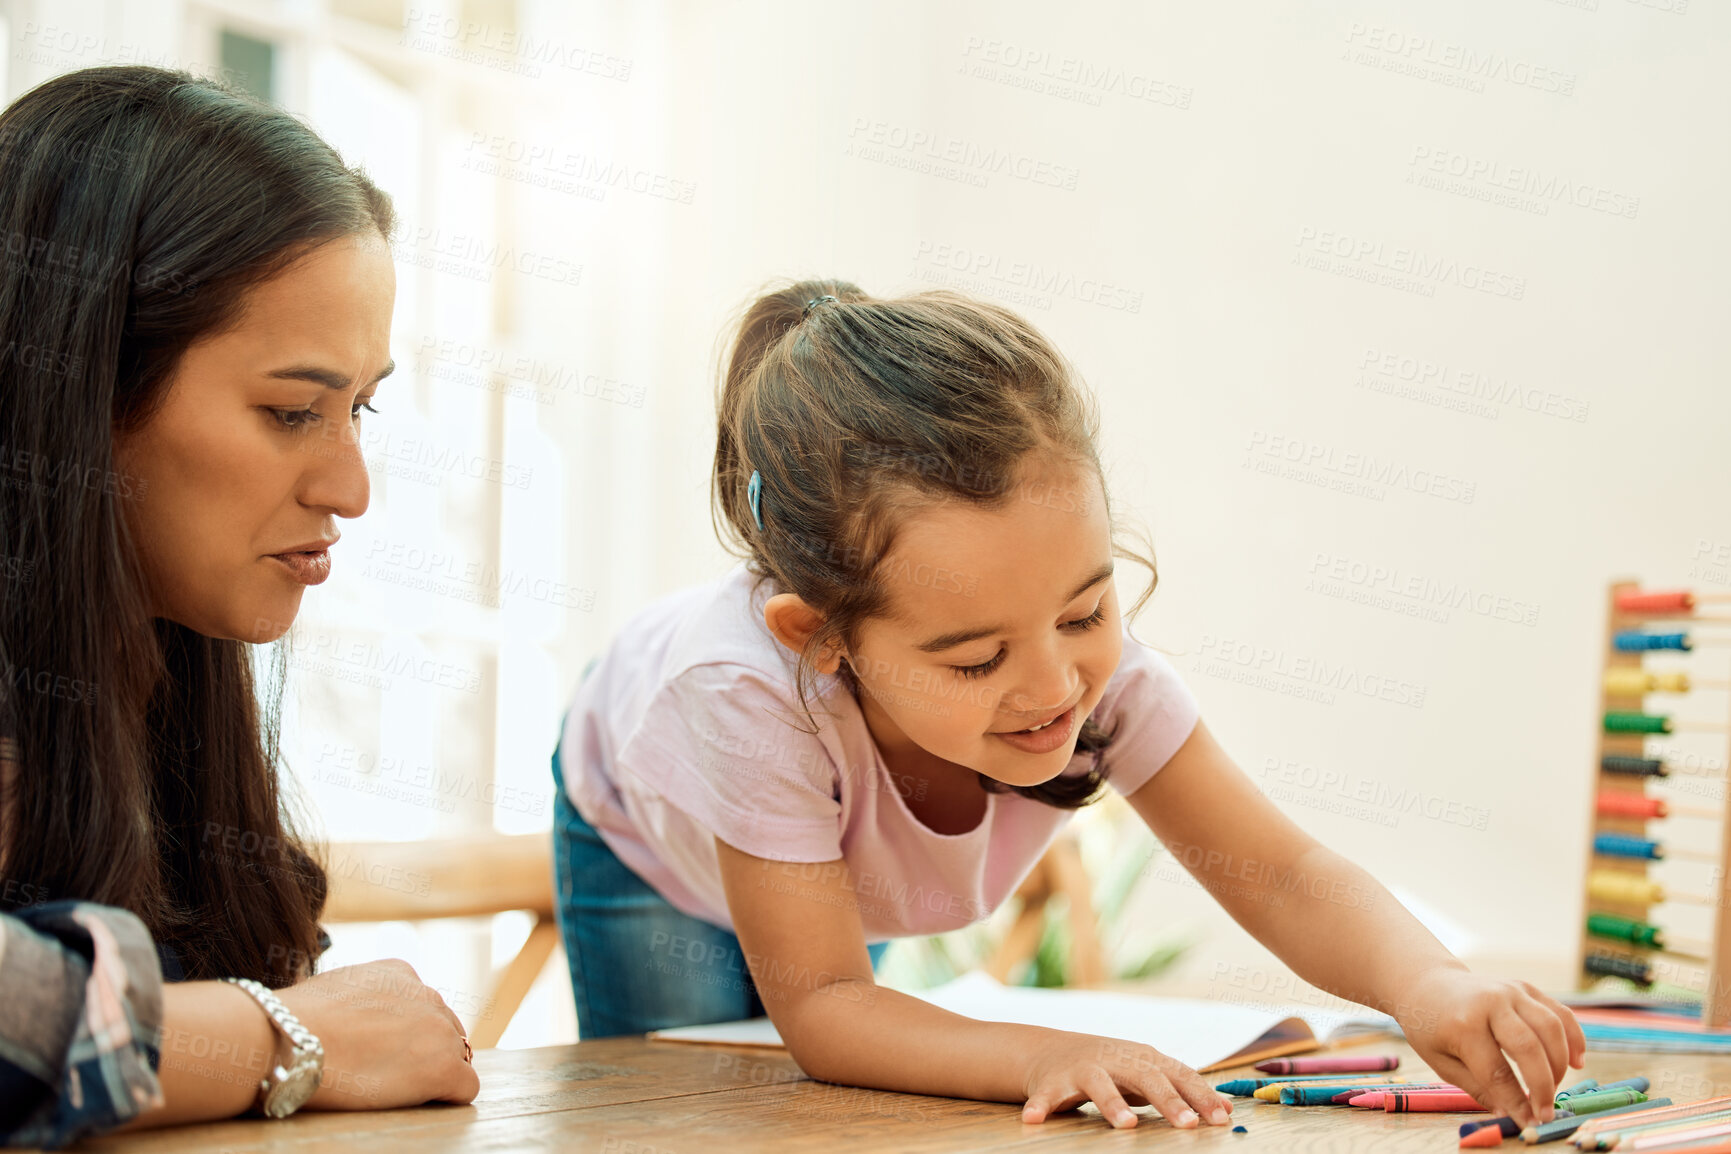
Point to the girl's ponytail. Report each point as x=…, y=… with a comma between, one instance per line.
x=766, y=323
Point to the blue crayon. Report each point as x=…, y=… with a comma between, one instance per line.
x=1636, y=1083
x=1245, y=1087
x=1580, y=1087
x=1325, y=1095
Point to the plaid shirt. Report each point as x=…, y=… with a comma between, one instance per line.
x=80, y=1022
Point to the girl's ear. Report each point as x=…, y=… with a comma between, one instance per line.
x=793, y=622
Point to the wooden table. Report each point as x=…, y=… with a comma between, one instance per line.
x=632, y=1096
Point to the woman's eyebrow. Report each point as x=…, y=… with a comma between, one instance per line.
x=961, y=636
x=329, y=378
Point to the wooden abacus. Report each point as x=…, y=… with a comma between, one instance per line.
x=1619, y=937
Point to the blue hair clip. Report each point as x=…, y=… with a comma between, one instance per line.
x=754, y=494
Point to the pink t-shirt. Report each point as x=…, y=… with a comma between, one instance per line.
x=687, y=729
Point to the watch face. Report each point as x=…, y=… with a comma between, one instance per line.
x=294, y=1086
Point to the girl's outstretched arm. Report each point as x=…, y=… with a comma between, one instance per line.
x=799, y=926
x=1342, y=931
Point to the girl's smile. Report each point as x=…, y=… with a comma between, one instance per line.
x=999, y=679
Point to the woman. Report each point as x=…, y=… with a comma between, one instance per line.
x=194, y=311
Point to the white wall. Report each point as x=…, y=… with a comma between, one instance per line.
x=1237, y=177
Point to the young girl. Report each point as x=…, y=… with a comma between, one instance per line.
x=875, y=726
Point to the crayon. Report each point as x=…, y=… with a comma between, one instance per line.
x=1563, y=1127
x=1370, y=1097
x=1507, y=1126
x=1595, y=1100
x=1482, y=1135
x=1637, y=1083
x=1345, y=1097
x=1341, y=1065
x=1332, y=1093
x=1580, y=1087
x=1430, y=1101
x=1245, y=1087
x=1482, y=1139
x=1271, y=1093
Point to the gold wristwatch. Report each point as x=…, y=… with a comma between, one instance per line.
x=288, y=1084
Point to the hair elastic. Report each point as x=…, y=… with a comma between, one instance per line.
x=754, y=495
x=814, y=302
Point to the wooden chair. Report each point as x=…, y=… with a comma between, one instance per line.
x=454, y=878
x=1059, y=871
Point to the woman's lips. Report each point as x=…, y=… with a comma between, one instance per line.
x=1044, y=740
x=309, y=568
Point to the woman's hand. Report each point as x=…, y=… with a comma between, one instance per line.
x=1115, y=1075
x=1463, y=1024
x=389, y=1040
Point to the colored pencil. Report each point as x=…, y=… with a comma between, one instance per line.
x=1621, y=1138
x=1563, y=1127
x=1602, y=1126
x=1720, y=1131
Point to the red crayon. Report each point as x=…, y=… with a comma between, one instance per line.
x=1341, y=1065
x=1482, y=1139
x=1434, y=1101
x=1370, y=1098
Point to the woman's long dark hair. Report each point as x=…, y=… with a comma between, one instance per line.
x=137, y=207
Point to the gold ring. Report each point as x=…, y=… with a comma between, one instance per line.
x=468, y=1051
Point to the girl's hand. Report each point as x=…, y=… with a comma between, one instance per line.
x=389, y=1040
x=1115, y=1075
x=1462, y=1024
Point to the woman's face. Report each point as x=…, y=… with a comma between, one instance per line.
x=253, y=453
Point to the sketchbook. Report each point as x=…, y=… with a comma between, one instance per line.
x=1204, y=1035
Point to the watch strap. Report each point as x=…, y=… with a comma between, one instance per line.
x=304, y=1042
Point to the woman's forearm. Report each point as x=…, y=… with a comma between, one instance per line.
x=217, y=1044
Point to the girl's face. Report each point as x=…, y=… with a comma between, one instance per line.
x=240, y=474
x=999, y=621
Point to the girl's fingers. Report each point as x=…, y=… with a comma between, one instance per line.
x=1035, y=1110
x=1491, y=1080
x=1203, y=1098
x=1519, y=1041
x=1455, y=1073
x=1572, y=1033
x=1046, y=1102
x=1157, y=1088
x=1549, y=1029
x=1100, y=1088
